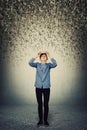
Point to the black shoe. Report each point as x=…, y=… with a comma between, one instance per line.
x=46, y=123
x=39, y=123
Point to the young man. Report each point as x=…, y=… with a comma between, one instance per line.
x=42, y=83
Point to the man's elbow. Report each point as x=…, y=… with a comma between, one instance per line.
x=55, y=65
x=29, y=63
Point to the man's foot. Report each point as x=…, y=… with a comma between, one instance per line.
x=39, y=123
x=46, y=123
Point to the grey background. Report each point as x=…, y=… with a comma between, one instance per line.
x=55, y=16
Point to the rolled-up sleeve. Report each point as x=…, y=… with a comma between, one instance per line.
x=32, y=63
x=53, y=64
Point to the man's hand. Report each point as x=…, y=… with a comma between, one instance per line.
x=48, y=54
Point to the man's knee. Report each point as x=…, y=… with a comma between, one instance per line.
x=46, y=105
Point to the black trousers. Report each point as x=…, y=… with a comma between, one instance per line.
x=45, y=93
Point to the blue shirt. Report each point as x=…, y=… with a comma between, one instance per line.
x=42, y=72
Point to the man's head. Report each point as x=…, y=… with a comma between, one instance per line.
x=43, y=57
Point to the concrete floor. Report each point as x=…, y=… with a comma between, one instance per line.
x=60, y=118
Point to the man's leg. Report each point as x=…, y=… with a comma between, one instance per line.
x=39, y=101
x=46, y=103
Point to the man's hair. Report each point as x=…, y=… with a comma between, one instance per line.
x=44, y=54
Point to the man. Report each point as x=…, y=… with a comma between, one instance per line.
x=42, y=83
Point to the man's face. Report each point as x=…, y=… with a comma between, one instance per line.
x=43, y=58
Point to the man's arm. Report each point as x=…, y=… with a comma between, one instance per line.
x=31, y=62
x=53, y=64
